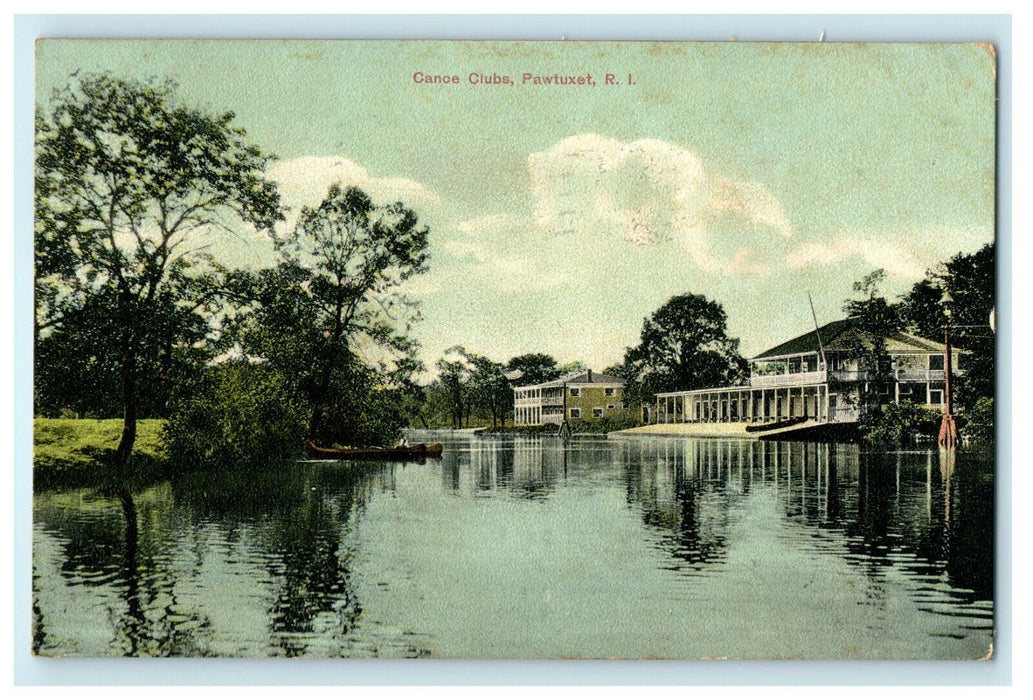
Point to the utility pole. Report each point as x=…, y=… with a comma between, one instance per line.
x=948, y=429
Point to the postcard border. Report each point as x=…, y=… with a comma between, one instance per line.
x=28, y=670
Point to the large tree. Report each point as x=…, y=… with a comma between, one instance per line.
x=455, y=372
x=970, y=279
x=491, y=392
x=129, y=182
x=685, y=345
x=873, y=319
x=532, y=368
x=332, y=314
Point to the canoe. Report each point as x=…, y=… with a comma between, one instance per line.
x=418, y=451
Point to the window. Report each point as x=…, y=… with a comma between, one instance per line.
x=608, y=391
x=597, y=412
x=575, y=413
x=574, y=391
x=609, y=406
x=936, y=362
x=935, y=397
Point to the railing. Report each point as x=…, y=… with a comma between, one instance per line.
x=539, y=401
x=919, y=375
x=791, y=379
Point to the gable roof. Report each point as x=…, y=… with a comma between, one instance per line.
x=808, y=342
x=579, y=377
x=840, y=335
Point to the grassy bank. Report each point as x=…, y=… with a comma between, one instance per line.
x=81, y=450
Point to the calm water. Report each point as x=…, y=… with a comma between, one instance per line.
x=523, y=548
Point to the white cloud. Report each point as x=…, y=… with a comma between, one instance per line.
x=905, y=253
x=595, y=198
x=894, y=258
x=305, y=181
x=648, y=193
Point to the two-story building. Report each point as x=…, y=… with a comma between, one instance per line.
x=582, y=394
x=818, y=377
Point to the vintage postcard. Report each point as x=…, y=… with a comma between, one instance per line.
x=509, y=350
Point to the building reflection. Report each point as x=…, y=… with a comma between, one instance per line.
x=876, y=509
x=529, y=468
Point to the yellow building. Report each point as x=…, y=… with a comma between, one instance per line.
x=583, y=395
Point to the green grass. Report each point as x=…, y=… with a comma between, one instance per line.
x=81, y=449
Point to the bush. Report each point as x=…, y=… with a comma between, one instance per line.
x=901, y=422
x=979, y=421
x=611, y=422
x=237, y=414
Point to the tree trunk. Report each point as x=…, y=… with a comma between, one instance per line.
x=129, y=410
x=130, y=572
x=316, y=419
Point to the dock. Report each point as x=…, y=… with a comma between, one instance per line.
x=807, y=430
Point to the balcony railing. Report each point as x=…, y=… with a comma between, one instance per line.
x=539, y=401
x=767, y=381
x=791, y=379
x=919, y=375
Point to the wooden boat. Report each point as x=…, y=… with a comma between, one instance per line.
x=415, y=452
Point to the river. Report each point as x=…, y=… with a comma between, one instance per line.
x=521, y=547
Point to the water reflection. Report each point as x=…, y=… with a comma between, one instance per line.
x=884, y=509
x=332, y=560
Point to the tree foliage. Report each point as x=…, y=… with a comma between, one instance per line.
x=129, y=185
x=684, y=345
x=534, y=368
x=235, y=414
x=455, y=370
x=970, y=279
x=898, y=424
x=872, y=318
x=491, y=392
x=347, y=259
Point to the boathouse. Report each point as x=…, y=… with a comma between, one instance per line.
x=583, y=394
x=818, y=378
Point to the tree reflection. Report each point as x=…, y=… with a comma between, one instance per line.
x=675, y=500
x=302, y=514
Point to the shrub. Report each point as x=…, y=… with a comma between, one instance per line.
x=900, y=423
x=610, y=422
x=979, y=420
x=237, y=414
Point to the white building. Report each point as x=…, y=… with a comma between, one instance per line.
x=817, y=377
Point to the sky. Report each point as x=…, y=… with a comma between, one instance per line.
x=561, y=216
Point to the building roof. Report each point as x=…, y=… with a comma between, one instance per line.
x=579, y=377
x=840, y=335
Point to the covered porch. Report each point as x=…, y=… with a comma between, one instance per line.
x=746, y=405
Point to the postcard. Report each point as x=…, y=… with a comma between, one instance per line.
x=514, y=350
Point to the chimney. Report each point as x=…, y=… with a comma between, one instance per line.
x=589, y=376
